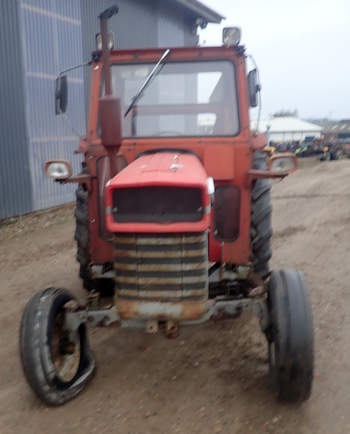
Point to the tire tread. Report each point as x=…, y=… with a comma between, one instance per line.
x=261, y=210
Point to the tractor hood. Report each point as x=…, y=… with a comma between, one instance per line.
x=159, y=192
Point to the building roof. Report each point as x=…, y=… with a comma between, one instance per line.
x=201, y=10
x=286, y=124
x=337, y=126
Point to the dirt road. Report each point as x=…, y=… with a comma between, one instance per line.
x=213, y=378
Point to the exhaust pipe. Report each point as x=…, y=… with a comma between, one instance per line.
x=109, y=105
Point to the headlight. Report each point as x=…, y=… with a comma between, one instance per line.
x=58, y=169
x=231, y=36
x=211, y=186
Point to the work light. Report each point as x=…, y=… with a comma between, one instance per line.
x=110, y=41
x=231, y=36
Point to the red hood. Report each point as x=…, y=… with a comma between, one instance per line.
x=160, y=169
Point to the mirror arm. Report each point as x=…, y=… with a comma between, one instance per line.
x=80, y=179
x=74, y=67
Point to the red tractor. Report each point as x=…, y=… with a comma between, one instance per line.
x=173, y=216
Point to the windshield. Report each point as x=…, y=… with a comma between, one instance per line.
x=184, y=99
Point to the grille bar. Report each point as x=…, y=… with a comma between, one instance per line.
x=158, y=239
x=154, y=295
x=132, y=267
x=161, y=274
x=159, y=253
x=157, y=247
x=190, y=260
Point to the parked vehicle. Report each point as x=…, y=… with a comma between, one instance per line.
x=346, y=148
x=332, y=152
x=269, y=150
x=304, y=150
x=173, y=216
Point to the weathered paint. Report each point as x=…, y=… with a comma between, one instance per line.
x=162, y=311
x=156, y=170
x=161, y=283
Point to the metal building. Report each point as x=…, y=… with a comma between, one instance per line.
x=40, y=38
x=283, y=129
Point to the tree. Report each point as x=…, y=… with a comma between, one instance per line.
x=285, y=113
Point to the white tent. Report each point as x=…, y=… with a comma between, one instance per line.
x=287, y=129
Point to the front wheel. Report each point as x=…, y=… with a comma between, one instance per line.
x=56, y=363
x=290, y=336
x=338, y=155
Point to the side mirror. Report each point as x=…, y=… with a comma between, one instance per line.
x=110, y=121
x=253, y=87
x=61, y=94
x=284, y=163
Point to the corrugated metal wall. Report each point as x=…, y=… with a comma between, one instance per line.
x=51, y=31
x=38, y=39
x=170, y=25
x=15, y=186
x=139, y=24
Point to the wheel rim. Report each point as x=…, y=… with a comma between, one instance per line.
x=65, y=351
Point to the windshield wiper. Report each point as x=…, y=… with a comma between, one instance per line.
x=152, y=74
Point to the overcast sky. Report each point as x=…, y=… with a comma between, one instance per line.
x=302, y=48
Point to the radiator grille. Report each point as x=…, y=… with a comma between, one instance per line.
x=157, y=204
x=161, y=266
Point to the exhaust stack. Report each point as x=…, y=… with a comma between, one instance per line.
x=109, y=105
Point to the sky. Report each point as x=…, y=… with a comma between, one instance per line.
x=302, y=49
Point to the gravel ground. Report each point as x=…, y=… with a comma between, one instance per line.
x=213, y=378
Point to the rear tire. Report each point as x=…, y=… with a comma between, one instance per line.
x=82, y=237
x=56, y=365
x=290, y=336
x=261, y=210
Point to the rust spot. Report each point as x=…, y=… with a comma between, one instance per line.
x=258, y=291
x=172, y=330
x=71, y=306
x=161, y=277
x=161, y=310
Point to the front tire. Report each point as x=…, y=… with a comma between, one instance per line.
x=290, y=336
x=56, y=365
